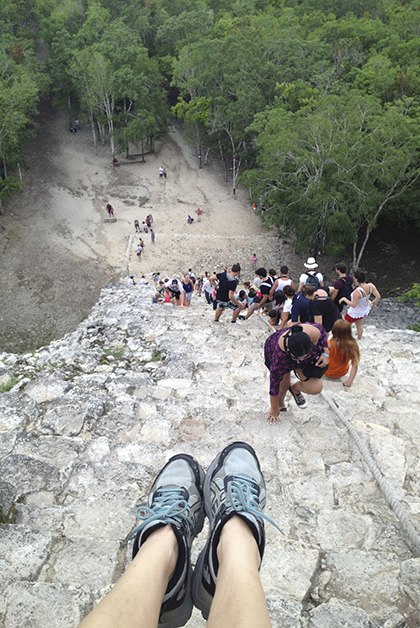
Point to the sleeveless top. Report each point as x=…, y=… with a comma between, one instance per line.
x=282, y=283
x=362, y=308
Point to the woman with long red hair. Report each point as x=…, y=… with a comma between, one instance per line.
x=343, y=350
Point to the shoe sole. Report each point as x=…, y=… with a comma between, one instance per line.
x=201, y=599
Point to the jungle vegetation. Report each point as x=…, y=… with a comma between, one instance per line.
x=312, y=105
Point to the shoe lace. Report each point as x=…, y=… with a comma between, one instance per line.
x=243, y=496
x=169, y=506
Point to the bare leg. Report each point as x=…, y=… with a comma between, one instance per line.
x=359, y=328
x=218, y=314
x=136, y=599
x=311, y=387
x=239, y=601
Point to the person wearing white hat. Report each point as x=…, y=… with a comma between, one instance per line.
x=310, y=276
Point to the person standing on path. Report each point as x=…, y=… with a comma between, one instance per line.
x=137, y=226
x=360, y=304
x=265, y=287
x=152, y=236
x=77, y=124
x=310, y=276
x=343, y=285
x=110, y=210
x=198, y=212
x=225, y=295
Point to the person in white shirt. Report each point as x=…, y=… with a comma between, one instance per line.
x=175, y=290
x=310, y=276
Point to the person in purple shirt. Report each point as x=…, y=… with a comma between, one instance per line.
x=300, y=348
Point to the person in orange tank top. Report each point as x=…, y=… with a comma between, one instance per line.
x=343, y=350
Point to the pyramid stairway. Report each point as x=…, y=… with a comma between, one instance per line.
x=93, y=417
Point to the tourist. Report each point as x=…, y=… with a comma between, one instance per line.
x=322, y=309
x=343, y=285
x=139, y=250
x=110, y=210
x=360, y=304
x=310, y=276
x=161, y=172
x=289, y=293
x=130, y=281
x=343, y=350
x=156, y=588
x=302, y=349
x=188, y=287
x=254, y=260
x=226, y=283
x=145, y=227
x=198, y=212
x=190, y=219
x=175, y=291
x=152, y=236
x=282, y=281
x=137, y=226
x=208, y=288
x=143, y=281
x=265, y=287
x=300, y=307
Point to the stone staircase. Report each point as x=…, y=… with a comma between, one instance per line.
x=92, y=418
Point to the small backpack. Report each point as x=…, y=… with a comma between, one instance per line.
x=313, y=281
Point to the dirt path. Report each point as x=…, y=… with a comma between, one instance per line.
x=57, y=251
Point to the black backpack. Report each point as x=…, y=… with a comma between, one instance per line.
x=345, y=291
x=312, y=281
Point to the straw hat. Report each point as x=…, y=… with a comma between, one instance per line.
x=310, y=263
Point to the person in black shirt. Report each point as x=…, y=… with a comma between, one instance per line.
x=265, y=287
x=323, y=310
x=225, y=296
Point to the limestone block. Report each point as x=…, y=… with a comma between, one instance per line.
x=42, y=605
x=38, y=516
x=387, y=450
x=157, y=430
x=314, y=493
x=287, y=569
x=339, y=529
x=7, y=443
x=147, y=410
x=334, y=614
x=98, y=450
x=46, y=388
x=410, y=578
x=15, y=410
x=369, y=579
x=22, y=551
x=28, y=474
x=86, y=560
x=64, y=417
x=109, y=518
x=60, y=451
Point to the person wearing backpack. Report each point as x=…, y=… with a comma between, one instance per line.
x=322, y=309
x=310, y=276
x=343, y=285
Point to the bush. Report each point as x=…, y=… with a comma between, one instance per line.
x=410, y=295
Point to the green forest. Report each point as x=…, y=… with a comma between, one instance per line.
x=311, y=105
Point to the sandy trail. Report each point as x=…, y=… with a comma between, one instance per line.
x=57, y=251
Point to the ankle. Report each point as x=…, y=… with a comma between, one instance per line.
x=237, y=540
x=161, y=542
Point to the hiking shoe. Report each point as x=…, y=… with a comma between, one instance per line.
x=234, y=485
x=175, y=499
x=299, y=398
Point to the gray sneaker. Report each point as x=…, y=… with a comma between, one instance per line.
x=175, y=499
x=234, y=485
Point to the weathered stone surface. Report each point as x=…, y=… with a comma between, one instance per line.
x=22, y=552
x=96, y=415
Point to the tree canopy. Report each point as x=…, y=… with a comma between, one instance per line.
x=312, y=104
